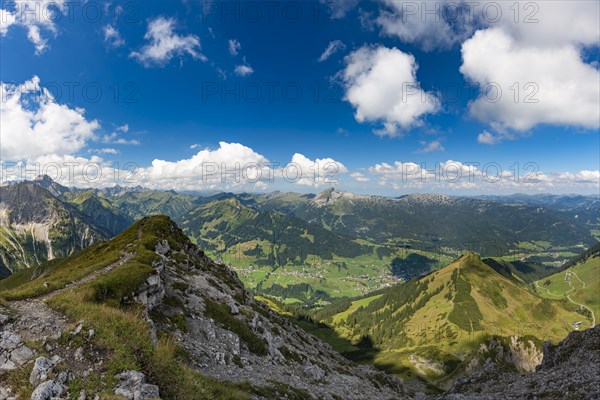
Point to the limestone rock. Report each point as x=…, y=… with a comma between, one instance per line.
x=47, y=391
x=133, y=386
x=41, y=369
x=13, y=352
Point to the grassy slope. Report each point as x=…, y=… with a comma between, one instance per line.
x=120, y=327
x=580, y=282
x=432, y=320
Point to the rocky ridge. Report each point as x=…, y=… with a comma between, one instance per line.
x=231, y=336
x=569, y=370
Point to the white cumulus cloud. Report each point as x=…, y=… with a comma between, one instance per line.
x=322, y=171
x=34, y=124
x=430, y=147
x=381, y=84
x=164, y=44
x=230, y=165
x=529, y=84
x=359, y=177
x=429, y=25
x=444, y=23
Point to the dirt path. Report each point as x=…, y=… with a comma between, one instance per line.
x=573, y=289
x=125, y=257
x=567, y=294
x=38, y=321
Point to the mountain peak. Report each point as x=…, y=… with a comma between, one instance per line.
x=44, y=178
x=429, y=199
x=332, y=195
x=50, y=184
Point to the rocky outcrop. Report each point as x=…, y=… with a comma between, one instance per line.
x=152, y=291
x=42, y=368
x=521, y=353
x=569, y=370
x=231, y=336
x=50, y=376
x=132, y=386
x=48, y=390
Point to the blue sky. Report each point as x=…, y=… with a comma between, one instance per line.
x=176, y=96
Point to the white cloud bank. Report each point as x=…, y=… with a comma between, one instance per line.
x=480, y=178
x=553, y=84
x=235, y=166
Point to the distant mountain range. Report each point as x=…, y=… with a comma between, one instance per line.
x=586, y=209
x=309, y=248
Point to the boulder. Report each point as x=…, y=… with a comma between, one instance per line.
x=133, y=386
x=47, y=391
x=41, y=369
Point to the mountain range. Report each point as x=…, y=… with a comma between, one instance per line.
x=310, y=248
x=36, y=226
x=148, y=315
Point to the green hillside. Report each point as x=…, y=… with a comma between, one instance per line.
x=141, y=204
x=579, y=283
x=121, y=330
x=432, y=327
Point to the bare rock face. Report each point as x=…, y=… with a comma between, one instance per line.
x=569, y=370
x=522, y=353
x=230, y=336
